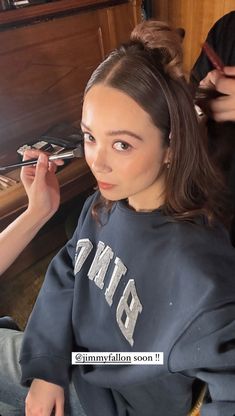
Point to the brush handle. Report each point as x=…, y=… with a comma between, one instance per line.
x=213, y=57
x=63, y=155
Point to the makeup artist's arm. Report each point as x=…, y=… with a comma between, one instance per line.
x=42, y=188
x=223, y=108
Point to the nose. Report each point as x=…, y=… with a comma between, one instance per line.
x=100, y=162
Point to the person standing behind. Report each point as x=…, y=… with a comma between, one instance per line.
x=222, y=39
x=220, y=110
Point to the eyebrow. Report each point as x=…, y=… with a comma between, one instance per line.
x=117, y=132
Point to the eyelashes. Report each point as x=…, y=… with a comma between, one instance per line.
x=119, y=145
x=87, y=137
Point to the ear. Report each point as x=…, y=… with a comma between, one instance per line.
x=167, y=158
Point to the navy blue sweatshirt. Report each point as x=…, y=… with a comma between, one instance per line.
x=141, y=282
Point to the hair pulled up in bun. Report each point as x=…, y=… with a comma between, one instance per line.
x=156, y=35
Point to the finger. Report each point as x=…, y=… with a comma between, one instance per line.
x=41, y=167
x=226, y=85
x=222, y=104
x=210, y=79
x=59, y=162
x=59, y=410
x=29, y=170
x=223, y=109
x=229, y=70
x=224, y=116
x=27, y=173
x=31, y=154
x=52, y=167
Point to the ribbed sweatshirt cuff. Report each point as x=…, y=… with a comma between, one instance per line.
x=52, y=369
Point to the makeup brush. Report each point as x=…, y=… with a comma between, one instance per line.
x=70, y=154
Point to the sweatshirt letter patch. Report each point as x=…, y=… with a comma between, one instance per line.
x=127, y=312
x=100, y=264
x=118, y=272
x=85, y=247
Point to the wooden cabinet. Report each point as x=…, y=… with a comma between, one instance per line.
x=45, y=65
x=196, y=17
x=47, y=53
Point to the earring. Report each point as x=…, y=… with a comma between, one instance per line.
x=167, y=165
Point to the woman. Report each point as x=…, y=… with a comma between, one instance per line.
x=149, y=267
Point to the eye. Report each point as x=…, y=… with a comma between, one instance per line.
x=121, y=146
x=88, y=138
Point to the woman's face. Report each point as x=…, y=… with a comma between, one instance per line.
x=123, y=148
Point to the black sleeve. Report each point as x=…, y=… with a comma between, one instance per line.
x=222, y=38
x=48, y=339
x=206, y=351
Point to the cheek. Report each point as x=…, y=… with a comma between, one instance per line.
x=145, y=165
x=89, y=156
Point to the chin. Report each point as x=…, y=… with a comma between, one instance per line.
x=111, y=195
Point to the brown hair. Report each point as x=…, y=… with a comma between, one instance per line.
x=149, y=70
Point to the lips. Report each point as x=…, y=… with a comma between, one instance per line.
x=105, y=185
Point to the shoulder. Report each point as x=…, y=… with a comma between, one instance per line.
x=204, y=257
x=227, y=19
x=201, y=270
x=222, y=35
x=206, y=341
x=199, y=236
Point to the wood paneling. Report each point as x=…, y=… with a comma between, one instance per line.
x=37, y=11
x=196, y=17
x=44, y=68
x=116, y=23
